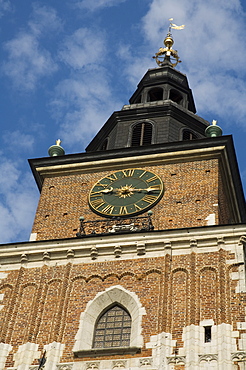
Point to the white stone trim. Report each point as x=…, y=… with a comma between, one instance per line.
x=25, y=355
x=4, y=351
x=114, y=294
x=53, y=354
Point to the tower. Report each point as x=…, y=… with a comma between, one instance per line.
x=136, y=257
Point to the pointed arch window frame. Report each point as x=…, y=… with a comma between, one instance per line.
x=83, y=346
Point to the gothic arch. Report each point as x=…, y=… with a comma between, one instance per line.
x=115, y=294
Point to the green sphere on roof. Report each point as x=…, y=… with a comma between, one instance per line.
x=56, y=150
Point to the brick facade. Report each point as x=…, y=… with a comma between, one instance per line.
x=177, y=289
x=191, y=195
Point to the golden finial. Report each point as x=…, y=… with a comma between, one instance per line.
x=164, y=55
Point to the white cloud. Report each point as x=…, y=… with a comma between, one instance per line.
x=211, y=47
x=4, y=7
x=83, y=103
x=44, y=19
x=18, y=140
x=85, y=100
x=18, y=199
x=28, y=61
x=93, y=5
x=82, y=48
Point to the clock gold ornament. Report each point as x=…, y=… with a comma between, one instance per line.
x=126, y=193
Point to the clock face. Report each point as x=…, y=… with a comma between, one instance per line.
x=126, y=193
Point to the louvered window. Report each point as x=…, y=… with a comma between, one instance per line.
x=113, y=329
x=189, y=135
x=142, y=134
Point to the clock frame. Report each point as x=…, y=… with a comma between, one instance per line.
x=126, y=193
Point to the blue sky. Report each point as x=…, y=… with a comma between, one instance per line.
x=67, y=65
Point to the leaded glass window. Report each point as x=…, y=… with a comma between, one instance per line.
x=113, y=329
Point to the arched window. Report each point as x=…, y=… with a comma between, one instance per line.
x=113, y=328
x=189, y=135
x=121, y=303
x=175, y=96
x=141, y=134
x=155, y=94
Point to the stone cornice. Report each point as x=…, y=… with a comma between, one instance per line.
x=153, y=244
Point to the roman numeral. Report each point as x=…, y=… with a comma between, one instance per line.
x=154, y=187
x=128, y=173
x=100, y=184
x=108, y=209
x=153, y=178
x=137, y=208
x=123, y=210
x=97, y=203
x=112, y=177
x=142, y=174
x=149, y=198
x=95, y=193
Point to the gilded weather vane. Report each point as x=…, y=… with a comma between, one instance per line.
x=167, y=54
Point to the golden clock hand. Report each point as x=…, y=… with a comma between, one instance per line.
x=150, y=188
x=106, y=190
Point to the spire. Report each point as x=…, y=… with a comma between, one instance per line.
x=167, y=55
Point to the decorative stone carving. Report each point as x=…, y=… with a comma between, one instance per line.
x=117, y=251
x=94, y=253
x=46, y=256
x=92, y=365
x=143, y=362
x=24, y=258
x=176, y=360
x=220, y=242
x=121, y=364
x=141, y=249
x=193, y=243
x=64, y=366
x=242, y=240
x=208, y=357
x=70, y=253
x=238, y=356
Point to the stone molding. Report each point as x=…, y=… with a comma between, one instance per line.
x=134, y=245
x=114, y=294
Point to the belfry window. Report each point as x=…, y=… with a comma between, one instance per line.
x=113, y=328
x=141, y=134
x=155, y=94
x=175, y=96
x=189, y=135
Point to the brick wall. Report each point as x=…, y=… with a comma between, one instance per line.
x=42, y=305
x=191, y=195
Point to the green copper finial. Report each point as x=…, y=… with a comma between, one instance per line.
x=213, y=130
x=56, y=150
